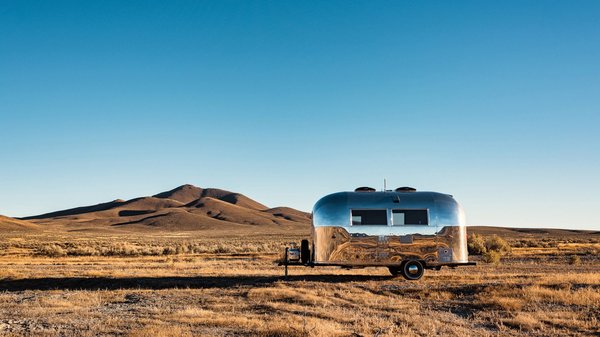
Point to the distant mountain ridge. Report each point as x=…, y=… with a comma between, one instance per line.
x=522, y=233
x=12, y=224
x=189, y=208
x=186, y=207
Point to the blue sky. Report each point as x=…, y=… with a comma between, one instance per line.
x=497, y=103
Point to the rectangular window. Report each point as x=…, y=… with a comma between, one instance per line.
x=369, y=217
x=410, y=217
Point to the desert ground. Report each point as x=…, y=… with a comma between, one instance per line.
x=203, y=262
x=218, y=284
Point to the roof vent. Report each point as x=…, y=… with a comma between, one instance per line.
x=406, y=189
x=364, y=189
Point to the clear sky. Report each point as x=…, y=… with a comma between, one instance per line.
x=497, y=103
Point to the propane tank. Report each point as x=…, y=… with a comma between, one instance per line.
x=293, y=252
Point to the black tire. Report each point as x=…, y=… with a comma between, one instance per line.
x=413, y=270
x=304, y=252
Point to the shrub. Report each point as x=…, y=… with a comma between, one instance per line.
x=491, y=257
x=491, y=248
x=534, y=244
x=123, y=249
x=574, y=260
x=497, y=244
x=476, y=244
x=82, y=251
x=169, y=251
x=181, y=249
x=51, y=250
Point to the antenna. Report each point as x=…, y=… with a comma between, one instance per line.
x=384, y=185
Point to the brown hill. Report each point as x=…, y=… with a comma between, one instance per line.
x=78, y=210
x=186, y=207
x=290, y=214
x=219, y=209
x=190, y=193
x=184, y=193
x=11, y=224
x=240, y=200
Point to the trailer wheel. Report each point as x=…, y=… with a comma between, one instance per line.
x=413, y=270
x=304, y=252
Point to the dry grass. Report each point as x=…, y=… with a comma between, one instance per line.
x=147, y=245
x=190, y=285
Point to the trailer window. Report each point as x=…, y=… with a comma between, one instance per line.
x=369, y=217
x=409, y=217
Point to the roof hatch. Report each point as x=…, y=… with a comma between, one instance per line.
x=406, y=189
x=364, y=189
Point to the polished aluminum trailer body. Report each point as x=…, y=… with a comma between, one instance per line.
x=387, y=228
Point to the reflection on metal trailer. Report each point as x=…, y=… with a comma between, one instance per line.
x=404, y=230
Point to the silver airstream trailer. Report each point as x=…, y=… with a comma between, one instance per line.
x=404, y=230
